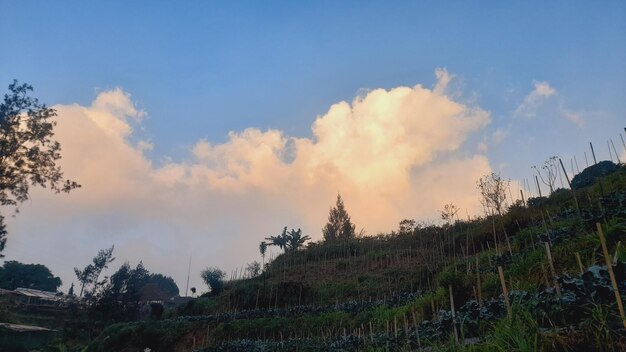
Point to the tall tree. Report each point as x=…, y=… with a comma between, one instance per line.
x=14, y=274
x=339, y=226
x=28, y=152
x=91, y=273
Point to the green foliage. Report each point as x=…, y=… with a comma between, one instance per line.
x=91, y=273
x=28, y=152
x=591, y=174
x=14, y=274
x=214, y=278
x=517, y=332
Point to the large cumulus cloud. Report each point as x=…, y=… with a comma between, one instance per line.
x=392, y=154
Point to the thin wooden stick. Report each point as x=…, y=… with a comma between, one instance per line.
x=505, y=291
x=609, y=266
x=557, y=287
x=478, y=289
x=456, y=333
x=580, y=263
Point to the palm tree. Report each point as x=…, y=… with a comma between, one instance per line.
x=262, y=250
x=280, y=240
x=295, y=240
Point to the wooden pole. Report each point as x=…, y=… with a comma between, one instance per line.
x=580, y=263
x=616, y=156
x=609, y=266
x=523, y=199
x=593, y=153
x=538, y=187
x=505, y=291
x=557, y=287
x=456, y=333
x=570, y=187
x=478, y=289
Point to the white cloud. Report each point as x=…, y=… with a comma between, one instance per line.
x=392, y=154
x=542, y=91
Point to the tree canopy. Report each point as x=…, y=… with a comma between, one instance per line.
x=214, y=278
x=339, y=226
x=91, y=273
x=14, y=274
x=28, y=152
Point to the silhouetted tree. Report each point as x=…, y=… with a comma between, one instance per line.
x=253, y=269
x=407, y=226
x=295, y=239
x=262, y=250
x=550, y=171
x=492, y=188
x=91, y=273
x=14, y=274
x=339, y=226
x=28, y=152
x=214, y=278
x=280, y=241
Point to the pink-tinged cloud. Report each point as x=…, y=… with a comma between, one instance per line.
x=392, y=154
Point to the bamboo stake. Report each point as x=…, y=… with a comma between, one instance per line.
x=616, y=156
x=557, y=287
x=570, y=187
x=505, y=292
x=609, y=266
x=417, y=332
x=593, y=153
x=456, y=333
x=395, y=327
x=580, y=263
x=478, y=289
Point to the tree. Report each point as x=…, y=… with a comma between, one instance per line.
x=550, y=171
x=262, y=250
x=14, y=274
x=339, y=226
x=295, y=240
x=280, y=240
x=91, y=273
x=120, y=299
x=214, y=278
x=448, y=213
x=407, y=226
x=253, y=269
x=28, y=152
x=493, y=191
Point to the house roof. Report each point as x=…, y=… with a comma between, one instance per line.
x=29, y=292
x=23, y=328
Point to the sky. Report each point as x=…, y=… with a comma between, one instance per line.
x=198, y=129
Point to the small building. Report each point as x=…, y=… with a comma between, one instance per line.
x=30, y=297
x=153, y=294
x=24, y=337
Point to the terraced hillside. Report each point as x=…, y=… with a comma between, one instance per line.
x=429, y=287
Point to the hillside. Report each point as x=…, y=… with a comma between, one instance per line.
x=394, y=291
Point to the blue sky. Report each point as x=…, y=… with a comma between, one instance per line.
x=202, y=69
